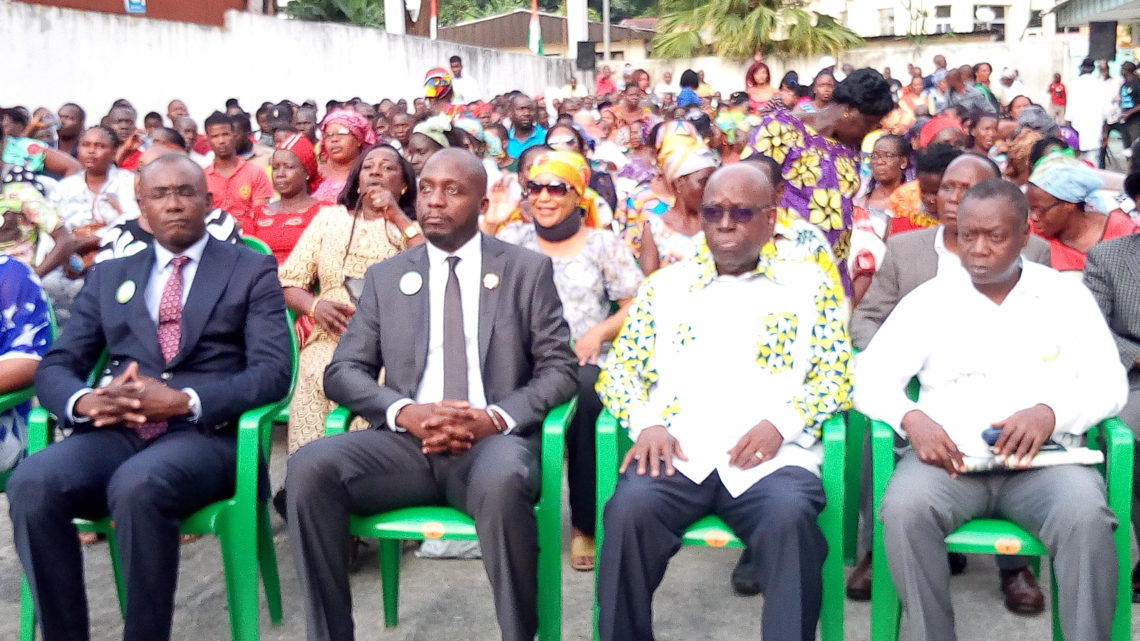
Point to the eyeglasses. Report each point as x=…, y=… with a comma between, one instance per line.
x=1037, y=213
x=559, y=189
x=739, y=215
x=883, y=155
x=162, y=193
x=557, y=141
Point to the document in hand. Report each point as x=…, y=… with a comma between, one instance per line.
x=1050, y=454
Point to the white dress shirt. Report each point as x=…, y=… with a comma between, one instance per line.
x=160, y=273
x=79, y=206
x=466, y=89
x=979, y=362
x=469, y=272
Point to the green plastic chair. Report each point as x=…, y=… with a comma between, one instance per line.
x=241, y=523
x=996, y=536
x=259, y=246
x=27, y=610
x=449, y=524
x=711, y=531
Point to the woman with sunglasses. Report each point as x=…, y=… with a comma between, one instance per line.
x=344, y=133
x=593, y=270
x=374, y=219
x=567, y=137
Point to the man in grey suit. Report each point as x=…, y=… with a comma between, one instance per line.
x=911, y=259
x=1112, y=274
x=470, y=334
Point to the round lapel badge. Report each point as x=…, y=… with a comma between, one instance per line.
x=411, y=282
x=126, y=291
x=490, y=281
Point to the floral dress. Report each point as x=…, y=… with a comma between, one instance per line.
x=821, y=177
x=25, y=332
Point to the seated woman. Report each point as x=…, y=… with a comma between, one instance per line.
x=25, y=336
x=281, y=222
x=872, y=214
x=1064, y=210
x=593, y=270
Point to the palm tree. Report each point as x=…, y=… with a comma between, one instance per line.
x=740, y=28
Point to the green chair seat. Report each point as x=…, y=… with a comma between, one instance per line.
x=711, y=531
x=994, y=536
x=445, y=523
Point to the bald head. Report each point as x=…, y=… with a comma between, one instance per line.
x=462, y=163
x=962, y=173
x=451, y=197
x=174, y=201
x=738, y=216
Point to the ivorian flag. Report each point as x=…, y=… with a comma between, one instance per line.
x=534, y=37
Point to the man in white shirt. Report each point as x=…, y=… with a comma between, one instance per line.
x=475, y=350
x=466, y=89
x=666, y=87
x=997, y=348
x=725, y=370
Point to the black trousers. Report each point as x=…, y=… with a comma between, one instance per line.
x=496, y=482
x=776, y=518
x=146, y=488
x=581, y=452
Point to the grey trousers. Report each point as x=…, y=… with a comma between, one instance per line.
x=1063, y=506
x=496, y=482
x=776, y=518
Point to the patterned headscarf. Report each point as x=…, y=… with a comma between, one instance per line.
x=573, y=168
x=302, y=147
x=356, y=124
x=1065, y=178
x=475, y=128
x=681, y=150
x=437, y=83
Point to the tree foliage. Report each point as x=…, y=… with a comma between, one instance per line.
x=739, y=28
x=363, y=13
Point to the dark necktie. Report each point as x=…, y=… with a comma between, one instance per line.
x=454, y=342
x=169, y=329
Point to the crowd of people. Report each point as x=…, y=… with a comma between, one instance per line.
x=722, y=272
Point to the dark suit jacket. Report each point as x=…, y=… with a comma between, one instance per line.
x=1112, y=273
x=524, y=342
x=910, y=260
x=235, y=344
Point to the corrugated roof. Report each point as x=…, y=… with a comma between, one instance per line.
x=511, y=29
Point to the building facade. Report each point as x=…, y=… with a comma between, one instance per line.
x=1009, y=19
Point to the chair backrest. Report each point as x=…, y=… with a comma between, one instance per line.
x=256, y=244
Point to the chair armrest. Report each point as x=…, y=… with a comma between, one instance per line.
x=1119, y=462
x=554, y=428
x=8, y=400
x=607, y=458
x=252, y=424
x=39, y=430
x=337, y=421
x=833, y=470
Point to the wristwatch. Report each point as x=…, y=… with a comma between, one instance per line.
x=411, y=231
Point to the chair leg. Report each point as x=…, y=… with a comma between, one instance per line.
x=550, y=577
x=1056, y=612
x=117, y=570
x=390, y=580
x=239, y=564
x=267, y=560
x=27, y=611
x=831, y=615
x=853, y=485
x=885, y=607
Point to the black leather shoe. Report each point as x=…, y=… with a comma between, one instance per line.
x=279, y=504
x=1136, y=584
x=859, y=583
x=1022, y=594
x=957, y=563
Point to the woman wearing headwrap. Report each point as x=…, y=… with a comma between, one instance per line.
x=295, y=177
x=686, y=164
x=343, y=134
x=429, y=136
x=592, y=271
x=1063, y=209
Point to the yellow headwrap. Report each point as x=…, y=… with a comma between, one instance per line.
x=681, y=151
x=571, y=167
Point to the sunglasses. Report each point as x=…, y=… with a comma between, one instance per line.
x=739, y=215
x=534, y=188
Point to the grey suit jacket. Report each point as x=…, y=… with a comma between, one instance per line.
x=524, y=342
x=909, y=261
x=1112, y=273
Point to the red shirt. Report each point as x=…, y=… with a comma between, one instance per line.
x=281, y=230
x=239, y=193
x=604, y=86
x=1057, y=94
x=1064, y=258
x=202, y=145
x=131, y=162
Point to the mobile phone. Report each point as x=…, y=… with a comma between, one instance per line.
x=991, y=435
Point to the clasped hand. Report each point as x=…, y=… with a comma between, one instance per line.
x=447, y=426
x=132, y=399
x=1022, y=435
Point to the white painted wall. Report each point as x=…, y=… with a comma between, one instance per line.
x=52, y=56
x=863, y=16
x=1037, y=59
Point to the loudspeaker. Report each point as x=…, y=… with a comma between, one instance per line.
x=585, y=60
x=1102, y=40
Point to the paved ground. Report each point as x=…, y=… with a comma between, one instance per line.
x=450, y=600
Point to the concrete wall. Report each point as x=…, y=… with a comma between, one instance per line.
x=54, y=56
x=1037, y=59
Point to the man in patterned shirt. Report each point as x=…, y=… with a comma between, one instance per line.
x=727, y=367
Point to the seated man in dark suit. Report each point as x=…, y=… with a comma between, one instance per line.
x=1112, y=273
x=911, y=259
x=723, y=374
x=470, y=334
x=195, y=335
